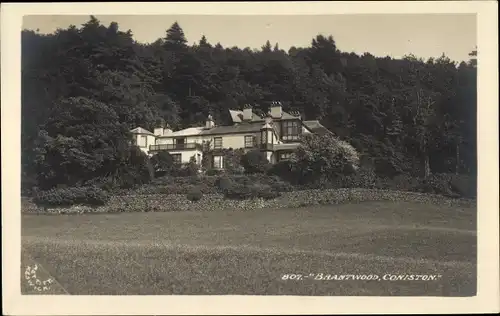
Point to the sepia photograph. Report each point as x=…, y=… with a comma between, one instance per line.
x=312, y=155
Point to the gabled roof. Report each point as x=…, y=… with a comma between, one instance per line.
x=140, y=130
x=316, y=127
x=237, y=116
x=235, y=129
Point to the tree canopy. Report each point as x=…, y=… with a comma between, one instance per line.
x=408, y=115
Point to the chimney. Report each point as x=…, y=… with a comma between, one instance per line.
x=158, y=131
x=247, y=112
x=276, y=110
x=167, y=130
x=210, y=122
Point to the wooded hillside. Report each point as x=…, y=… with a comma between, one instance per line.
x=84, y=88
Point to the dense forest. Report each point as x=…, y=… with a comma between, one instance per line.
x=84, y=88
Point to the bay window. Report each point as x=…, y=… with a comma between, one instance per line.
x=290, y=130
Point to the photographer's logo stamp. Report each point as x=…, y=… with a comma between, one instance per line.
x=34, y=282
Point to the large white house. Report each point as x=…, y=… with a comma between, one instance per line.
x=276, y=135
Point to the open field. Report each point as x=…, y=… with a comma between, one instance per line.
x=236, y=252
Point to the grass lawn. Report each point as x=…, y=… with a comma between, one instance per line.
x=237, y=252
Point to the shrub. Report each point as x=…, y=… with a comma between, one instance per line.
x=322, y=157
x=245, y=192
x=404, y=182
x=194, y=195
x=284, y=170
x=363, y=178
x=238, y=192
x=232, y=161
x=224, y=183
x=255, y=162
x=281, y=186
x=137, y=170
x=267, y=193
x=163, y=163
x=214, y=172
x=436, y=184
x=464, y=185
x=92, y=195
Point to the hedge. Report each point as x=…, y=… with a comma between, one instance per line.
x=91, y=196
x=214, y=202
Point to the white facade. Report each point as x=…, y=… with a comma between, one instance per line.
x=247, y=132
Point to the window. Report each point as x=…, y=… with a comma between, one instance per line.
x=177, y=158
x=217, y=142
x=290, y=130
x=143, y=142
x=249, y=141
x=179, y=143
x=285, y=156
x=263, y=136
x=218, y=162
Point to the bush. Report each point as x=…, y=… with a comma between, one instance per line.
x=214, y=172
x=224, y=184
x=194, y=195
x=323, y=157
x=163, y=163
x=363, y=178
x=437, y=184
x=464, y=185
x=92, y=196
x=255, y=162
x=238, y=192
x=245, y=192
x=284, y=170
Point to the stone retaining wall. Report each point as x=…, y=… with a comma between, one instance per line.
x=213, y=202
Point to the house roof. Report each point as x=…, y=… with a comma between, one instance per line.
x=237, y=116
x=235, y=129
x=316, y=127
x=286, y=146
x=140, y=130
x=191, y=131
x=217, y=130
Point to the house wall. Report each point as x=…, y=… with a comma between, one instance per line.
x=150, y=140
x=229, y=141
x=187, y=154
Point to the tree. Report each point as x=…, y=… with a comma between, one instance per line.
x=254, y=162
x=82, y=140
x=408, y=115
x=323, y=158
x=163, y=163
x=175, y=39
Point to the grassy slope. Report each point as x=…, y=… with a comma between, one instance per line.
x=235, y=252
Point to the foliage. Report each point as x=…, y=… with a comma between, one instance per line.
x=57, y=197
x=284, y=170
x=323, y=157
x=135, y=170
x=250, y=191
x=214, y=172
x=224, y=183
x=84, y=88
x=194, y=195
x=254, y=161
x=163, y=163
